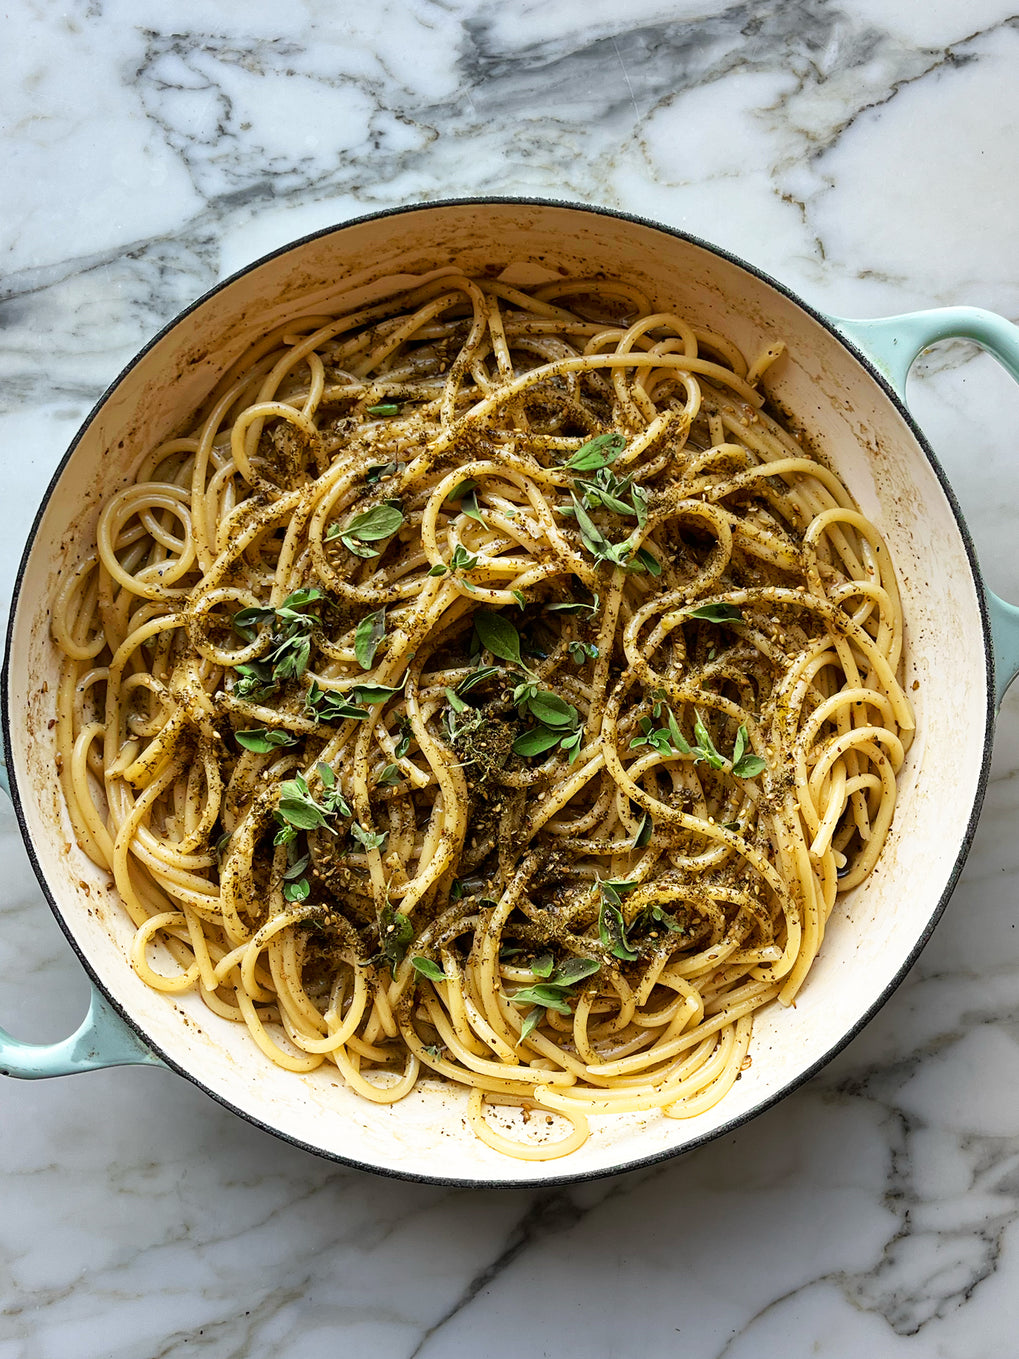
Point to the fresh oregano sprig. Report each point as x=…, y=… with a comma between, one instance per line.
x=292, y=623
x=370, y=526
x=553, y=994
x=624, y=940
x=368, y=637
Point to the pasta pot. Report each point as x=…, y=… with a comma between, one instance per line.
x=842, y=382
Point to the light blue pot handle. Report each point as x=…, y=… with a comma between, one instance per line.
x=891, y=344
x=102, y=1038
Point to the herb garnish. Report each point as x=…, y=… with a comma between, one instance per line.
x=368, y=839
x=582, y=651
x=378, y=470
x=370, y=526
x=428, y=969
x=645, y=829
x=299, y=809
x=598, y=452
x=498, y=635
x=573, y=607
x=553, y=994
x=716, y=613
x=256, y=681
x=292, y=623
x=395, y=935
x=325, y=705
x=607, y=490
x=263, y=739
x=295, y=886
x=616, y=934
x=558, y=721
x=669, y=739
x=383, y=408
x=367, y=637
x=624, y=554
x=467, y=494
x=746, y=766
x=461, y=560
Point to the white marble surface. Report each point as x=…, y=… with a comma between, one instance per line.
x=865, y=153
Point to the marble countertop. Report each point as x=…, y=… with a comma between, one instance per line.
x=863, y=152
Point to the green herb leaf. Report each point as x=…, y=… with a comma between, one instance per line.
x=403, y=745
x=370, y=526
x=498, y=635
x=379, y=470
x=650, y=563
x=573, y=970
x=373, y=693
x=245, y=620
x=295, y=606
x=461, y=489
x=705, y=748
x=716, y=613
x=597, y=452
x=290, y=659
x=297, y=868
x=298, y=890
x=263, y=739
x=746, y=766
x=352, y=544
x=552, y=711
x=572, y=744
x=328, y=706
x=298, y=808
x=651, y=921
x=531, y=1021
x=395, y=935
x=546, y=994
x=593, y=538
x=389, y=777
x=612, y=930
x=256, y=681
x=367, y=636
x=439, y=569
x=581, y=652
x=675, y=735
x=456, y=703
x=428, y=969
x=478, y=676
x=462, y=560
x=543, y=965
x=383, y=408
x=535, y=741
x=644, y=832
x=520, y=597
x=467, y=494
x=368, y=839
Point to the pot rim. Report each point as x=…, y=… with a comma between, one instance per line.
x=966, y=841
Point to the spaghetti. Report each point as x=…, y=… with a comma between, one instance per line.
x=488, y=686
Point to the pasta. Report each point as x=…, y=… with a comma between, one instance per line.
x=488, y=686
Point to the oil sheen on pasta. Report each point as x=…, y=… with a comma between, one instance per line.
x=486, y=686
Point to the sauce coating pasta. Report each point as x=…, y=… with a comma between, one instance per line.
x=486, y=685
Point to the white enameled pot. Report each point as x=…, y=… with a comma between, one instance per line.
x=843, y=381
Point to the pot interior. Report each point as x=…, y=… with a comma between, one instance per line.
x=830, y=397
